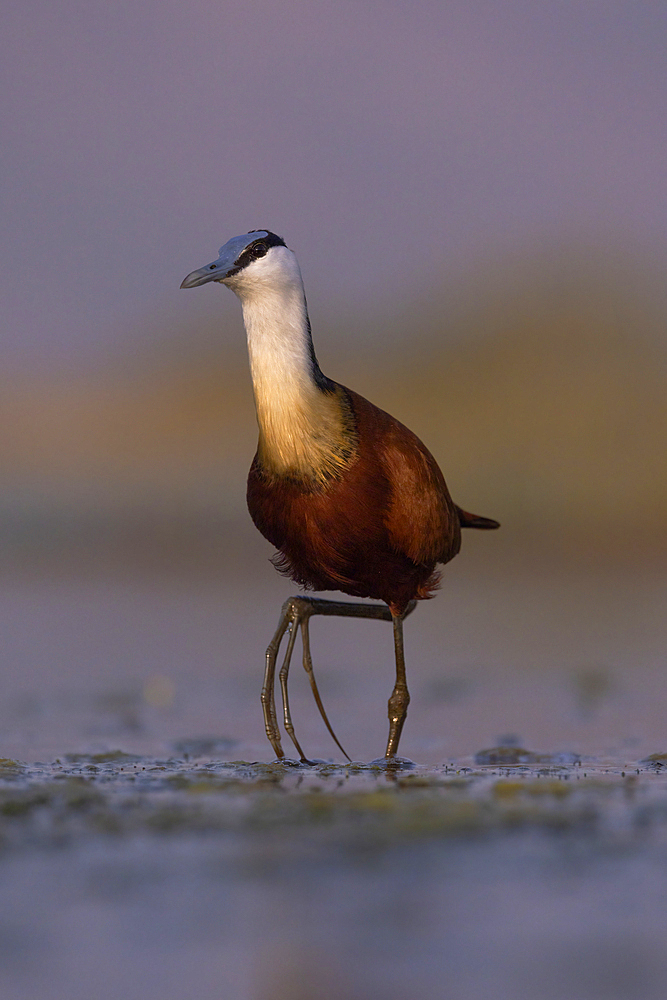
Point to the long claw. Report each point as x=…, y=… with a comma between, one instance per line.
x=308, y=667
x=283, y=675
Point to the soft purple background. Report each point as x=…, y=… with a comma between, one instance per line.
x=409, y=153
x=390, y=143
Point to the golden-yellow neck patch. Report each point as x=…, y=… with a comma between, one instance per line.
x=309, y=436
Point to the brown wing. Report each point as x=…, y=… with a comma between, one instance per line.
x=421, y=520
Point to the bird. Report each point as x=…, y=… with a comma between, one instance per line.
x=351, y=499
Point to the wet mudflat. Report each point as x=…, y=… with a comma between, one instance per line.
x=150, y=846
x=137, y=876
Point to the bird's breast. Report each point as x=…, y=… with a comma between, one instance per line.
x=306, y=434
x=374, y=528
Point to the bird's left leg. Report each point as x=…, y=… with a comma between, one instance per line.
x=400, y=697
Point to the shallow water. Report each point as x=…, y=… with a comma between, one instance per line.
x=149, y=847
x=144, y=877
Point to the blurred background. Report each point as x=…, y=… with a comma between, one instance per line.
x=476, y=195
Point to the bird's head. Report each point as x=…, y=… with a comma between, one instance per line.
x=251, y=259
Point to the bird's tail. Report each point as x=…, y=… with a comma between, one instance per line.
x=475, y=521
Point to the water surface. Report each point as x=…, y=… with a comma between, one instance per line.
x=150, y=846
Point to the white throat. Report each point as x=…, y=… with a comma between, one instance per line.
x=300, y=426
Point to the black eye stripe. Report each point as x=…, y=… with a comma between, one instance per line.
x=258, y=248
x=269, y=238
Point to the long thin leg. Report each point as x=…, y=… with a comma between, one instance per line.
x=295, y=614
x=400, y=696
x=293, y=628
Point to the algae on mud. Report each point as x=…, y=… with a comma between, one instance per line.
x=141, y=876
x=128, y=795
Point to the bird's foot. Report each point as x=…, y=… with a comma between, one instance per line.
x=394, y=763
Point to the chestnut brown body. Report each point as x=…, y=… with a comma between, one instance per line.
x=377, y=528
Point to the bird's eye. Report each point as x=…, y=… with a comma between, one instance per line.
x=259, y=249
x=212, y=267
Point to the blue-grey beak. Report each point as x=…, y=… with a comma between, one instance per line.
x=215, y=271
x=219, y=269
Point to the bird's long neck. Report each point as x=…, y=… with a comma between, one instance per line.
x=304, y=420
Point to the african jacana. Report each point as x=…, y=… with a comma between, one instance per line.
x=351, y=499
